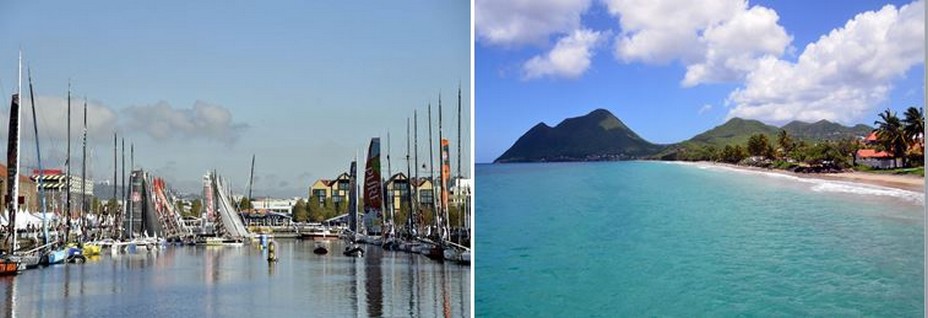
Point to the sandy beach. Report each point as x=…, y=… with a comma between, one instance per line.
x=902, y=182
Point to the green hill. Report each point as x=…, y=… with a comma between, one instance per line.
x=598, y=135
x=825, y=130
x=734, y=131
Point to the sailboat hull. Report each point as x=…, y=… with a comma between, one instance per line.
x=10, y=267
x=57, y=257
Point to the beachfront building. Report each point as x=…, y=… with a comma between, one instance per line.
x=868, y=155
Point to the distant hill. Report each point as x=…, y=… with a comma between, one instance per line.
x=734, y=131
x=825, y=130
x=598, y=135
x=737, y=131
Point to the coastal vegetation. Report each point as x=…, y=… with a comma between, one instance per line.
x=901, y=138
x=822, y=146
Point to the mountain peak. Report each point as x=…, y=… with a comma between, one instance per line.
x=598, y=135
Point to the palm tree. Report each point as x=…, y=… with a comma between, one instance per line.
x=785, y=142
x=890, y=135
x=915, y=126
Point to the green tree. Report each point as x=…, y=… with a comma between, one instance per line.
x=300, y=214
x=759, y=145
x=914, y=127
x=733, y=154
x=111, y=206
x=890, y=135
x=179, y=208
x=786, y=144
x=711, y=153
x=96, y=207
x=319, y=210
x=245, y=204
x=195, y=207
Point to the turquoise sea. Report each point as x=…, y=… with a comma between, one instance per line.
x=628, y=239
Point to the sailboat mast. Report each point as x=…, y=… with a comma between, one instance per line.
x=251, y=177
x=409, y=212
x=131, y=168
x=443, y=209
x=84, y=172
x=388, y=177
x=67, y=203
x=459, y=133
x=38, y=154
x=125, y=199
x=115, y=174
x=415, y=138
x=13, y=153
x=457, y=189
x=432, y=167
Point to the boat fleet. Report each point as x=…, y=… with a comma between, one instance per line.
x=148, y=221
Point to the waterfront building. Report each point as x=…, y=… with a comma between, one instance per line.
x=27, y=190
x=269, y=205
x=461, y=191
x=266, y=219
x=424, y=191
x=335, y=189
x=397, y=188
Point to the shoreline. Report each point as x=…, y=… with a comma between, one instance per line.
x=899, y=182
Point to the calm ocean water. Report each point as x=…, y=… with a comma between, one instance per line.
x=626, y=239
x=237, y=282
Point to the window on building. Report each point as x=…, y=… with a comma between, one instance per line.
x=425, y=196
x=343, y=185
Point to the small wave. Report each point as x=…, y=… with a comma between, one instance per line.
x=853, y=188
x=830, y=186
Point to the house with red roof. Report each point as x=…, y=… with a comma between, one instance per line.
x=868, y=155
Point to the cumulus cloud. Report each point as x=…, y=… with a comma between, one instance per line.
x=518, y=22
x=162, y=121
x=53, y=118
x=569, y=58
x=840, y=76
x=707, y=37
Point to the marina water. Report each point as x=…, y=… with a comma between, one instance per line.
x=188, y=281
x=626, y=239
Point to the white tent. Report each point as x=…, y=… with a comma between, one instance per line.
x=24, y=219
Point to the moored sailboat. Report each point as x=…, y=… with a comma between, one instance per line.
x=10, y=263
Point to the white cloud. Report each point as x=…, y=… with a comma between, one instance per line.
x=53, y=118
x=707, y=37
x=161, y=121
x=704, y=109
x=569, y=58
x=517, y=22
x=842, y=75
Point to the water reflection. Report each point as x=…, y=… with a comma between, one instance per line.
x=10, y=299
x=238, y=281
x=373, y=283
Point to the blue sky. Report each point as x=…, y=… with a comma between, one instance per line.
x=200, y=85
x=613, y=58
